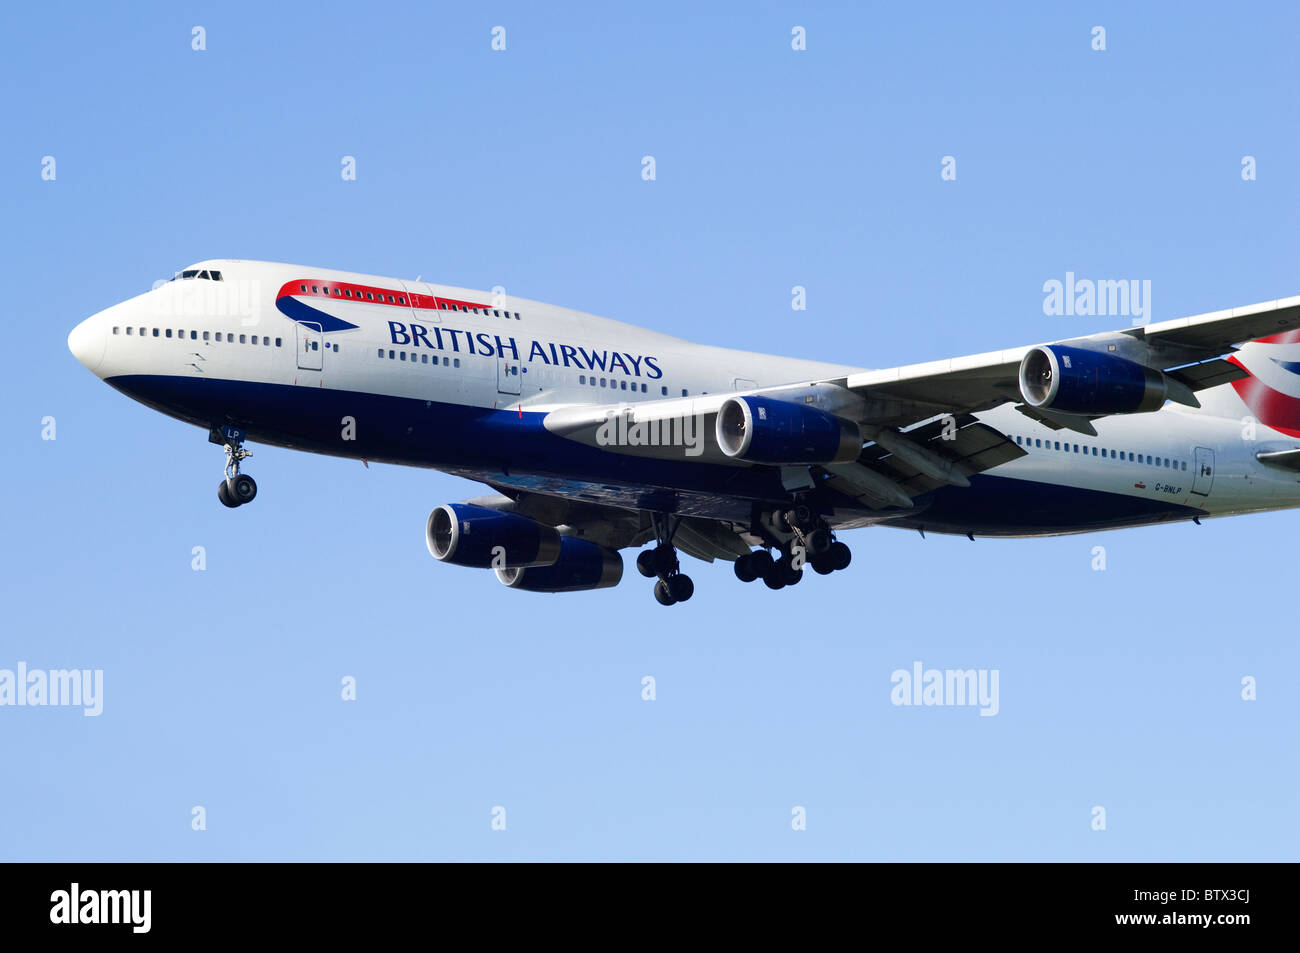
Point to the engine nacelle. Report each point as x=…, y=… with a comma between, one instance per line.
x=479, y=537
x=1071, y=380
x=764, y=430
x=581, y=565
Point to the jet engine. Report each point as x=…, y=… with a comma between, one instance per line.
x=765, y=430
x=483, y=538
x=581, y=565
x=1072, y=380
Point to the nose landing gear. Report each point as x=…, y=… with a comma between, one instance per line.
x=237, y=488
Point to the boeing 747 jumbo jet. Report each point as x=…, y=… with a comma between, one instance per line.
x=596, y=436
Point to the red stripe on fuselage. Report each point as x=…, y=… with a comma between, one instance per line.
x=347, y=291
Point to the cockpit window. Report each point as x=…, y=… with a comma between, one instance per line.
x=196, y=273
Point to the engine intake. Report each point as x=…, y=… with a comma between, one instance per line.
x=764, y=430
x=476, y=536
x=581, y=565
x=1072, y=380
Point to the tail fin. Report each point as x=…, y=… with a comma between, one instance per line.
x=1271, y=394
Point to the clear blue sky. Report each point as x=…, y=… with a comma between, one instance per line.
x=522, y=168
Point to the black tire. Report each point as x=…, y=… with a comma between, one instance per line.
x=243, y=488
x=762, y=563
x=680, y=587
x=223, y=494
x=840, y=556
x=645, y=563
x=745, y=569
x=774, y=578
x=821, y=565
x=792, y=576
x=665, y=560
x=819, y=541
x=662, y=595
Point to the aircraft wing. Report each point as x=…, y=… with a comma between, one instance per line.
x=1187, y=348
x=916, y=421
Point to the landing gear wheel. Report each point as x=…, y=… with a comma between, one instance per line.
x=821, y=565
x=645, y=563
x=665, y=560
x=237, y=488
x=774, y=577
x=680, y=587
x=241, y=488
x=662, y=595
x=762, y=563
x=793, y=576
x=819, y=541
x=839, y=556
x=745, y=569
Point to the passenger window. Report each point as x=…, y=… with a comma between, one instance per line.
x=1037, y=442
x=442, y=305
x=218, y=335
x=303, y=288
x=205, y=335
x=643, y=388
x=194, y=335
x=315, y=290
x=392, y=355
x=277, y=342
x=602, y=382
x=114, y=330
x=129, y=330
x=446, y=361
x=254, y=338
x=623, y=385
x=169, y=332
x=243, y=339
x=582, y=378
x=368, y=296
x=403, y=355
x=381, y=352
x=1058, y=445
x=663, y=391
x=457, y=363
x=683, y=391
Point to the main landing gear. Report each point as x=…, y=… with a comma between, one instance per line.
x=673, y=585
x=800, y=540
x=237, y=488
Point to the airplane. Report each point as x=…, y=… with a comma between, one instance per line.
x=597, y=436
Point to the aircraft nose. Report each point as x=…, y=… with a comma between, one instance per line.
x=87, y=342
